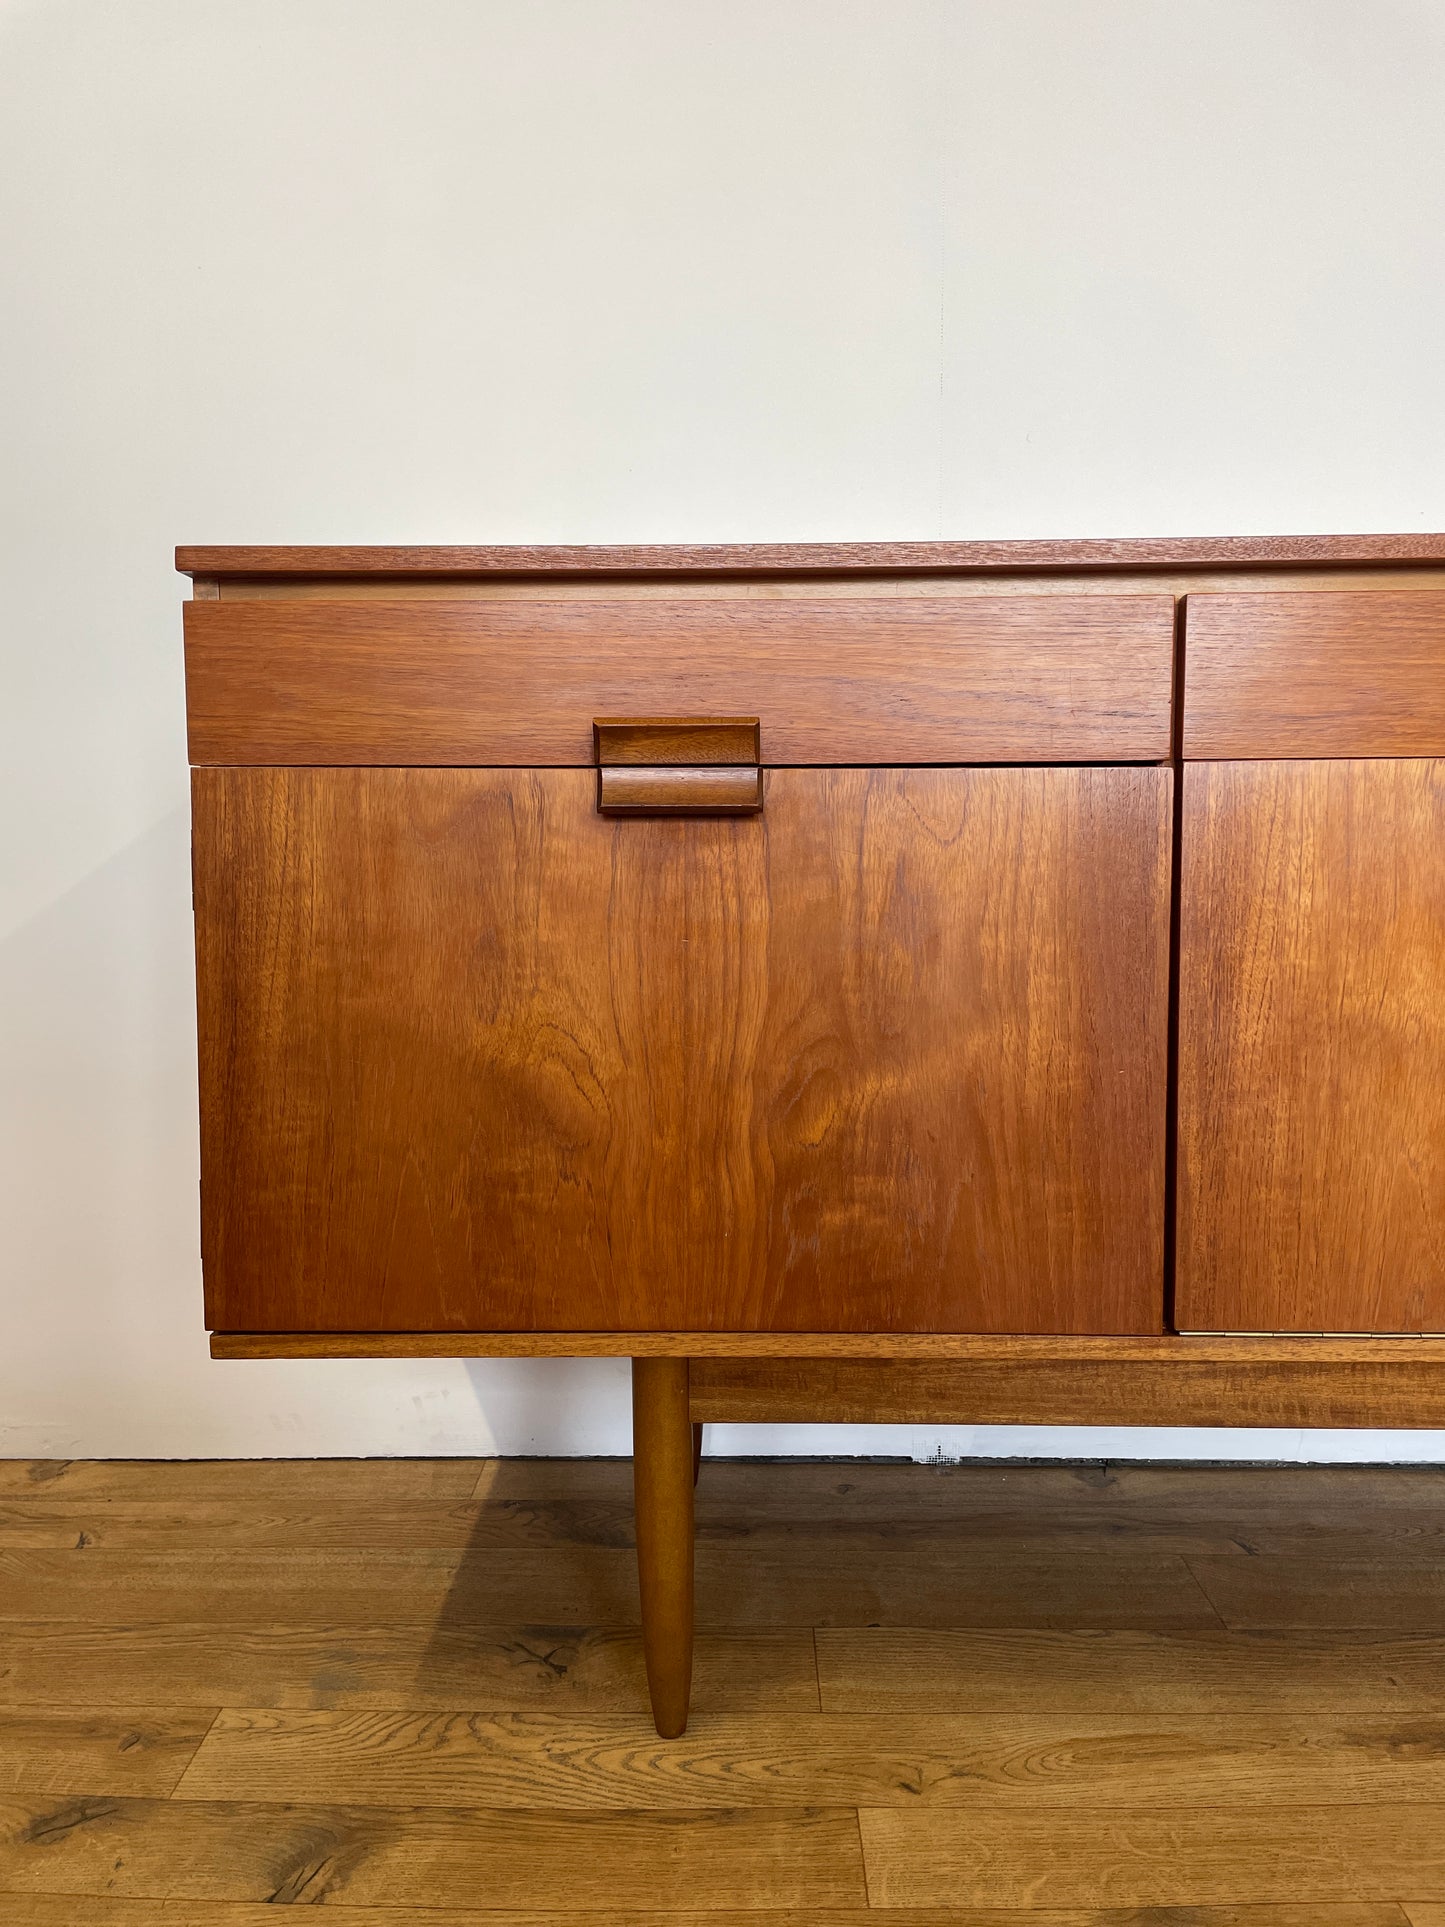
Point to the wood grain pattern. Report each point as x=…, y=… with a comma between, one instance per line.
x=762, y=558
x=98, y=1662
x=664, y=1472
x=1175, y=1390
x=1380, y=578
x=343, y=1482
x=59, y=1910
x=812, y=1585
x=906, y=1071
x=840, y=681
x=318, y=1854
x=1176, y=1776
x=1312, y=1047
x=984, y=1763
x=972, y=1508
x=1250, y=1351
x=679, y=789
x=1017, y=1672
x=139, y=1750
x=1404, y=1596
x=1314, y=675
x=1155, y=1856
x=620, y=741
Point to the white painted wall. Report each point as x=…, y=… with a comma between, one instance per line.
x=605, y=270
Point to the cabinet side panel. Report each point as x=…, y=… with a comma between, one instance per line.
x=1312, y=1047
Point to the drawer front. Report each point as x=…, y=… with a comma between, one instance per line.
x=917, y=679
x=1299, y=674
x=888, y=1056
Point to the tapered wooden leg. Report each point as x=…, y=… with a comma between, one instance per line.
x=662, y=1477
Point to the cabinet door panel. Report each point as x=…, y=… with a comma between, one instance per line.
x=889, y=1056
x=1312, y=1047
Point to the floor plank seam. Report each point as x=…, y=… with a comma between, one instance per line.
x=195, y=1751
x=1209, y=1600
x=863, y=1858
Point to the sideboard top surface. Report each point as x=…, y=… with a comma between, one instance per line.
x=782, y=558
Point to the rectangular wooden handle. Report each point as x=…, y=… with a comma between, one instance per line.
x=678, y=765
x=699, y=789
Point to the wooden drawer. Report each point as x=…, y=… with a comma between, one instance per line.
x=1299, y=674
x=914, y=679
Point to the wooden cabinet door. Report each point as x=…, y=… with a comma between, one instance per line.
x=888, y=1057
x=1312, y=1047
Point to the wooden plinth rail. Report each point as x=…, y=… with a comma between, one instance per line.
x=835, y=1378
x=1218, y=1348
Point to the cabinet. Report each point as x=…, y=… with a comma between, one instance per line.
x=1055, y=972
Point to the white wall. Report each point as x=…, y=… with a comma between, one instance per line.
x=605, y=270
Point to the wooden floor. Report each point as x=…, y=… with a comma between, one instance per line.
x=983, y=1696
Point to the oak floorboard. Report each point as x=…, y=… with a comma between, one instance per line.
x=1030, y=1511
x=1394, y=1595
x=1249, y=1509
x=524, y=1668
x=116, y=1750
x=364, y=1503
x=65, y=1910
x=761, y=1490
x=790, y=1489
x=520, y=1524
x=900, y=1670
x=794, y=1487
x=361, y=1481
x=1161, y=1856
x=1051, y=1693
x=597, y=1585
x=1398, y=1511
x=181, y=1849
x=394, y=1587
x=119, y=1526
x=406, y=1759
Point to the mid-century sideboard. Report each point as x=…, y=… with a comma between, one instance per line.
x=983, y=981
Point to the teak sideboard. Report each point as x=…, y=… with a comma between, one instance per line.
x=1001, y=982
